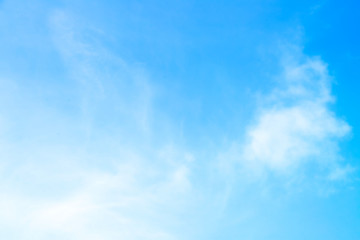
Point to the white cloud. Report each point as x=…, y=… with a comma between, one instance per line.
x=296, y=125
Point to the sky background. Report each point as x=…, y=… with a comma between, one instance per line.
x=174, y=120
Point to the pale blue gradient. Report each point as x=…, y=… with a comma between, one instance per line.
x=179, y=120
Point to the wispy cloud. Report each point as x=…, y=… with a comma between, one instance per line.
x=106, y=83
x=105, y=174
x=136, y=202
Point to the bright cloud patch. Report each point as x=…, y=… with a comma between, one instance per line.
x=297, y=124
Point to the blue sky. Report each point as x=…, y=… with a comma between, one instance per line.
x=179, y=120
